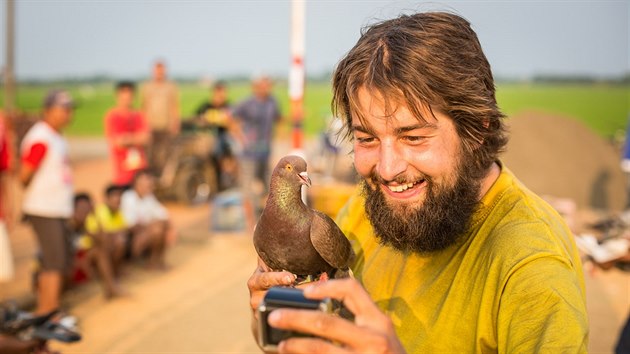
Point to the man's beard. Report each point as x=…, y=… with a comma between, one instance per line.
x=444, y=216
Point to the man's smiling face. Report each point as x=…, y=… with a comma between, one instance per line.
x=418, y=196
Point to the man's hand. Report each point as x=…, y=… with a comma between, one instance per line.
x=372, y=331
x=174, y=126
x=263, y=279
x=258, y=284
x=26, y=173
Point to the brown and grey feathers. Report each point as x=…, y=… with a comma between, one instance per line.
x=293, y=237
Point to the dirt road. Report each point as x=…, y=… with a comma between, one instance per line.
x=201, y=304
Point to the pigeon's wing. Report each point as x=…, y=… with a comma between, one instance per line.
x=329, y=241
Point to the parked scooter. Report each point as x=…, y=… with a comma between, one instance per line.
x=194, y=168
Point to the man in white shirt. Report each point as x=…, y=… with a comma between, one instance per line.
x=48, y=196
x=147, y=219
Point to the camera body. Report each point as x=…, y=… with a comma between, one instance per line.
x=281, y=297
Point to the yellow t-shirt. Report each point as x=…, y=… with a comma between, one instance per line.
x=218, y=117
x=102, y=219
x=513, y=284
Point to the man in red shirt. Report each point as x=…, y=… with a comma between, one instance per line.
x=5, y=163
x=128, y=134
x=6, y=258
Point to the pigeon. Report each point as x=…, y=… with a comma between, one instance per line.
x=290, y=236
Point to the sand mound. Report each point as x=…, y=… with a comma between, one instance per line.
x=561, y=157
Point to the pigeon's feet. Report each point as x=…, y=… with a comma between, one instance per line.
x=304, y=279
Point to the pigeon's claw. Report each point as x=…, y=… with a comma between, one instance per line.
x=304, y=279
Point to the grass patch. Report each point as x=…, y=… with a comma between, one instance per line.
x=603, y=108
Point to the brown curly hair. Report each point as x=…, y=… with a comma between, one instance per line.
x=432, y=60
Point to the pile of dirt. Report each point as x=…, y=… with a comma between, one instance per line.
x=561, y=157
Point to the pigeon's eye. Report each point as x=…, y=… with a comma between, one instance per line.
x=289, y=167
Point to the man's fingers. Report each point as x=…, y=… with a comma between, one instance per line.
x=255, y=299
x=349, y=291
x=261, y=280
x=318, y=323
x=265, y=280
x=309, y=346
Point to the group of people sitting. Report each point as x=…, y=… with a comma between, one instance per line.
x=129, y=225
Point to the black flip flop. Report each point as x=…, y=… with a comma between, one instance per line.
x=15, y=320
x=55, y=331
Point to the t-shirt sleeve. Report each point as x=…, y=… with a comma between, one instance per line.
x=238, y=111
x=276, y=114
x=626, y=154
x=91, y=224
x=128, y=205
x=111, y=129
x=4, y=155
x=542, y=310
x=202, y=109
x=158, y=211
x=35, y=154
x=144, y=123
x=143, y=95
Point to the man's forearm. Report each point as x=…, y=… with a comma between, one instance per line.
x=26, y=174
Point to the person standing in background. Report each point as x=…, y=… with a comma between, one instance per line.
x=159, y=101
x=6, y=256
x=625, y=167
x=215, y=112
x=256, y=118
x=128, y=135
x=48, y=196
x=623, y=342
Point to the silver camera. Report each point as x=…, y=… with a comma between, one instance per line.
x=281, y=297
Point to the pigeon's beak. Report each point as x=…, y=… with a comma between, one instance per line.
x=305, y=179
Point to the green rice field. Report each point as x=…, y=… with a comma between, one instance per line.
x=603, y=107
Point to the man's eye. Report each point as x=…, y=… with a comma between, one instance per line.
x=365, y=140
x=413, y=138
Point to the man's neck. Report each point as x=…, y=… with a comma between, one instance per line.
x=122, y=108
x=489, y=179
x=52, y=126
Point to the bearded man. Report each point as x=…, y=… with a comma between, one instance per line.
x=454, y=254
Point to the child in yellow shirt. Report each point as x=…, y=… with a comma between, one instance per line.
x=109, y=232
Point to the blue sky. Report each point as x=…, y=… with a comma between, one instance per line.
x=220, y=38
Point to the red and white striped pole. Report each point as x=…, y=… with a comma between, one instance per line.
x=297, y=73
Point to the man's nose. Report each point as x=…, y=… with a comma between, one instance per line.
x=391, y=161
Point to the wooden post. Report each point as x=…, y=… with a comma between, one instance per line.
x=9, y=77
